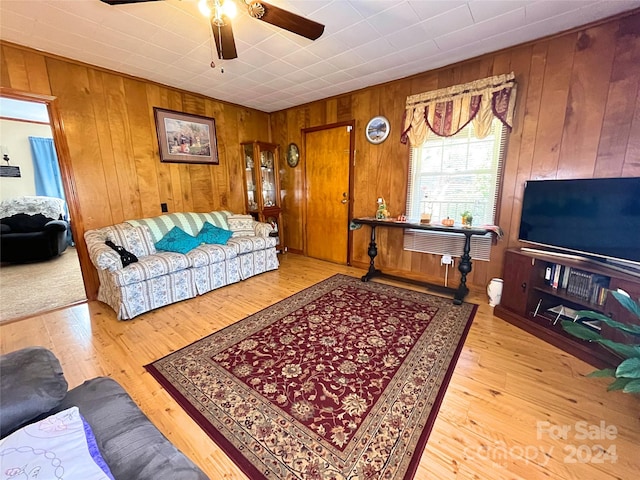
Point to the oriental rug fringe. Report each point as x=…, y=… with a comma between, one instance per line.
x=342, y=380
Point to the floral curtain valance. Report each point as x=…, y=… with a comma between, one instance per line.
x=447, y=111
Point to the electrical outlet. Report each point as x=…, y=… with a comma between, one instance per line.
x=446, y=260
x=164, y=208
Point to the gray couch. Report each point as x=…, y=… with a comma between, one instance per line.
x=33, y=387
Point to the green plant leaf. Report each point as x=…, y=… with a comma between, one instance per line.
x=627, y=302
x=630, y=368
x=619, y=384
x=605, y=372
x=632, y=387
x=580, y=331
x=632, y=329
x=592, y=314
x=622, y=349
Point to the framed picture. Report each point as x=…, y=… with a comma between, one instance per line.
x=377, y=129
x=186, y=138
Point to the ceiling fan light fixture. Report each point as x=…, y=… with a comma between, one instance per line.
x=217, y=8
x=229, y=8
x=256, y=9
x=205, y=7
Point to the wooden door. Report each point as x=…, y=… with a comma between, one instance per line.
x=327, y=203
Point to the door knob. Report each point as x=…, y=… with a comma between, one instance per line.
x=344, y=198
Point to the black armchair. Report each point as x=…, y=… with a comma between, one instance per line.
x=33, y=237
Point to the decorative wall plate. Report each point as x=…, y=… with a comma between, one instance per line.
x=377, y=129
x=293, y=155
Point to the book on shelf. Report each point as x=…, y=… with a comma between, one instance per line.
x=591, y=287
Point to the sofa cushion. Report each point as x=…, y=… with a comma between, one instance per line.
x=22, y=222
x=212, y=234
x=190, y=222
x=137, y=240
x=151, y=266
x=211, y=253
x=241, y=225
x=59, y=446
x=252, y=244
x=31, y=383
x=177, y=240
x=131, y=445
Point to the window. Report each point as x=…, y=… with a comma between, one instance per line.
x=450, y=175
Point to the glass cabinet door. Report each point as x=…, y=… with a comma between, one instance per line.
x=270, y=188
x=262, y=186
x=251, y=179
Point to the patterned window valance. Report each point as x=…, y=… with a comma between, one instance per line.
x=447, y=111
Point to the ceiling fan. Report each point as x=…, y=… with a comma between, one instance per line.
x=219, y=13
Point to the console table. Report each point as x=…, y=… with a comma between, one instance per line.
x=465, y=260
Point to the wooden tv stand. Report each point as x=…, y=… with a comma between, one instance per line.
x=527, y=300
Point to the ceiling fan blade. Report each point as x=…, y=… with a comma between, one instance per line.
x=124, y=2
x=291, y=22
x=225, y=44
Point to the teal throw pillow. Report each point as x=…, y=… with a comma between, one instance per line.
x=212, y=234
x=177, y=240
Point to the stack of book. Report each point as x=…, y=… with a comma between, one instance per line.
x=591, y=287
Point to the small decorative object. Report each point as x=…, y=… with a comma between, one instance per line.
x=494, y=291
x=467, y=218
x=447, y=222
x=377, y=129
x=402, y=218
x=293, y=155
x=425, y=218
x=186, y=138
x=382, y=213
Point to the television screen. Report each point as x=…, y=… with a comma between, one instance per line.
x=597, y=217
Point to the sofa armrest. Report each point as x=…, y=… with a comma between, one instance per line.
x=56, y=226
x=262, y=229
x=102, y=256
x=130, y=444
x=32, y=384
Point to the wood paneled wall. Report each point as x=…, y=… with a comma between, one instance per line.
x=109, y=126
x=577, y=116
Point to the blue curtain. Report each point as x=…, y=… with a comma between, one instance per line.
x=47, y=172
x=45, y=165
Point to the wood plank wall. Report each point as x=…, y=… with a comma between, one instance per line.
x=110, y=131
x=577, y=116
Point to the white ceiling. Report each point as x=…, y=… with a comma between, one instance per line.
x=365, y=42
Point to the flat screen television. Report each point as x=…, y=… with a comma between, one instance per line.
x=597, y=217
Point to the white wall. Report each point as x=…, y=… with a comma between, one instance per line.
x=14, y=135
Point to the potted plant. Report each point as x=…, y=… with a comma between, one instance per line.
x=627, y=373
x=467, y=218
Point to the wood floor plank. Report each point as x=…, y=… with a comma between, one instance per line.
x=505, y=383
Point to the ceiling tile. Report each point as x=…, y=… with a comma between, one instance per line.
x=365, y=42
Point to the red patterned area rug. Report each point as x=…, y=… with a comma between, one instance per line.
x=342, y=380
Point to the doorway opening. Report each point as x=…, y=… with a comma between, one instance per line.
x=31, y=288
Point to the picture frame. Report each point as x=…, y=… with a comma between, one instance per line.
x=186, y=137
x=377, y=130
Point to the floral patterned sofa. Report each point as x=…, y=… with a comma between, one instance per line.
x=168, y=270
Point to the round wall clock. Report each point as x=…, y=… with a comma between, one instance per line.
x=377, y=129
x=293, y=155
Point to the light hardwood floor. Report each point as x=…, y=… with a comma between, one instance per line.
x=508, y=390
